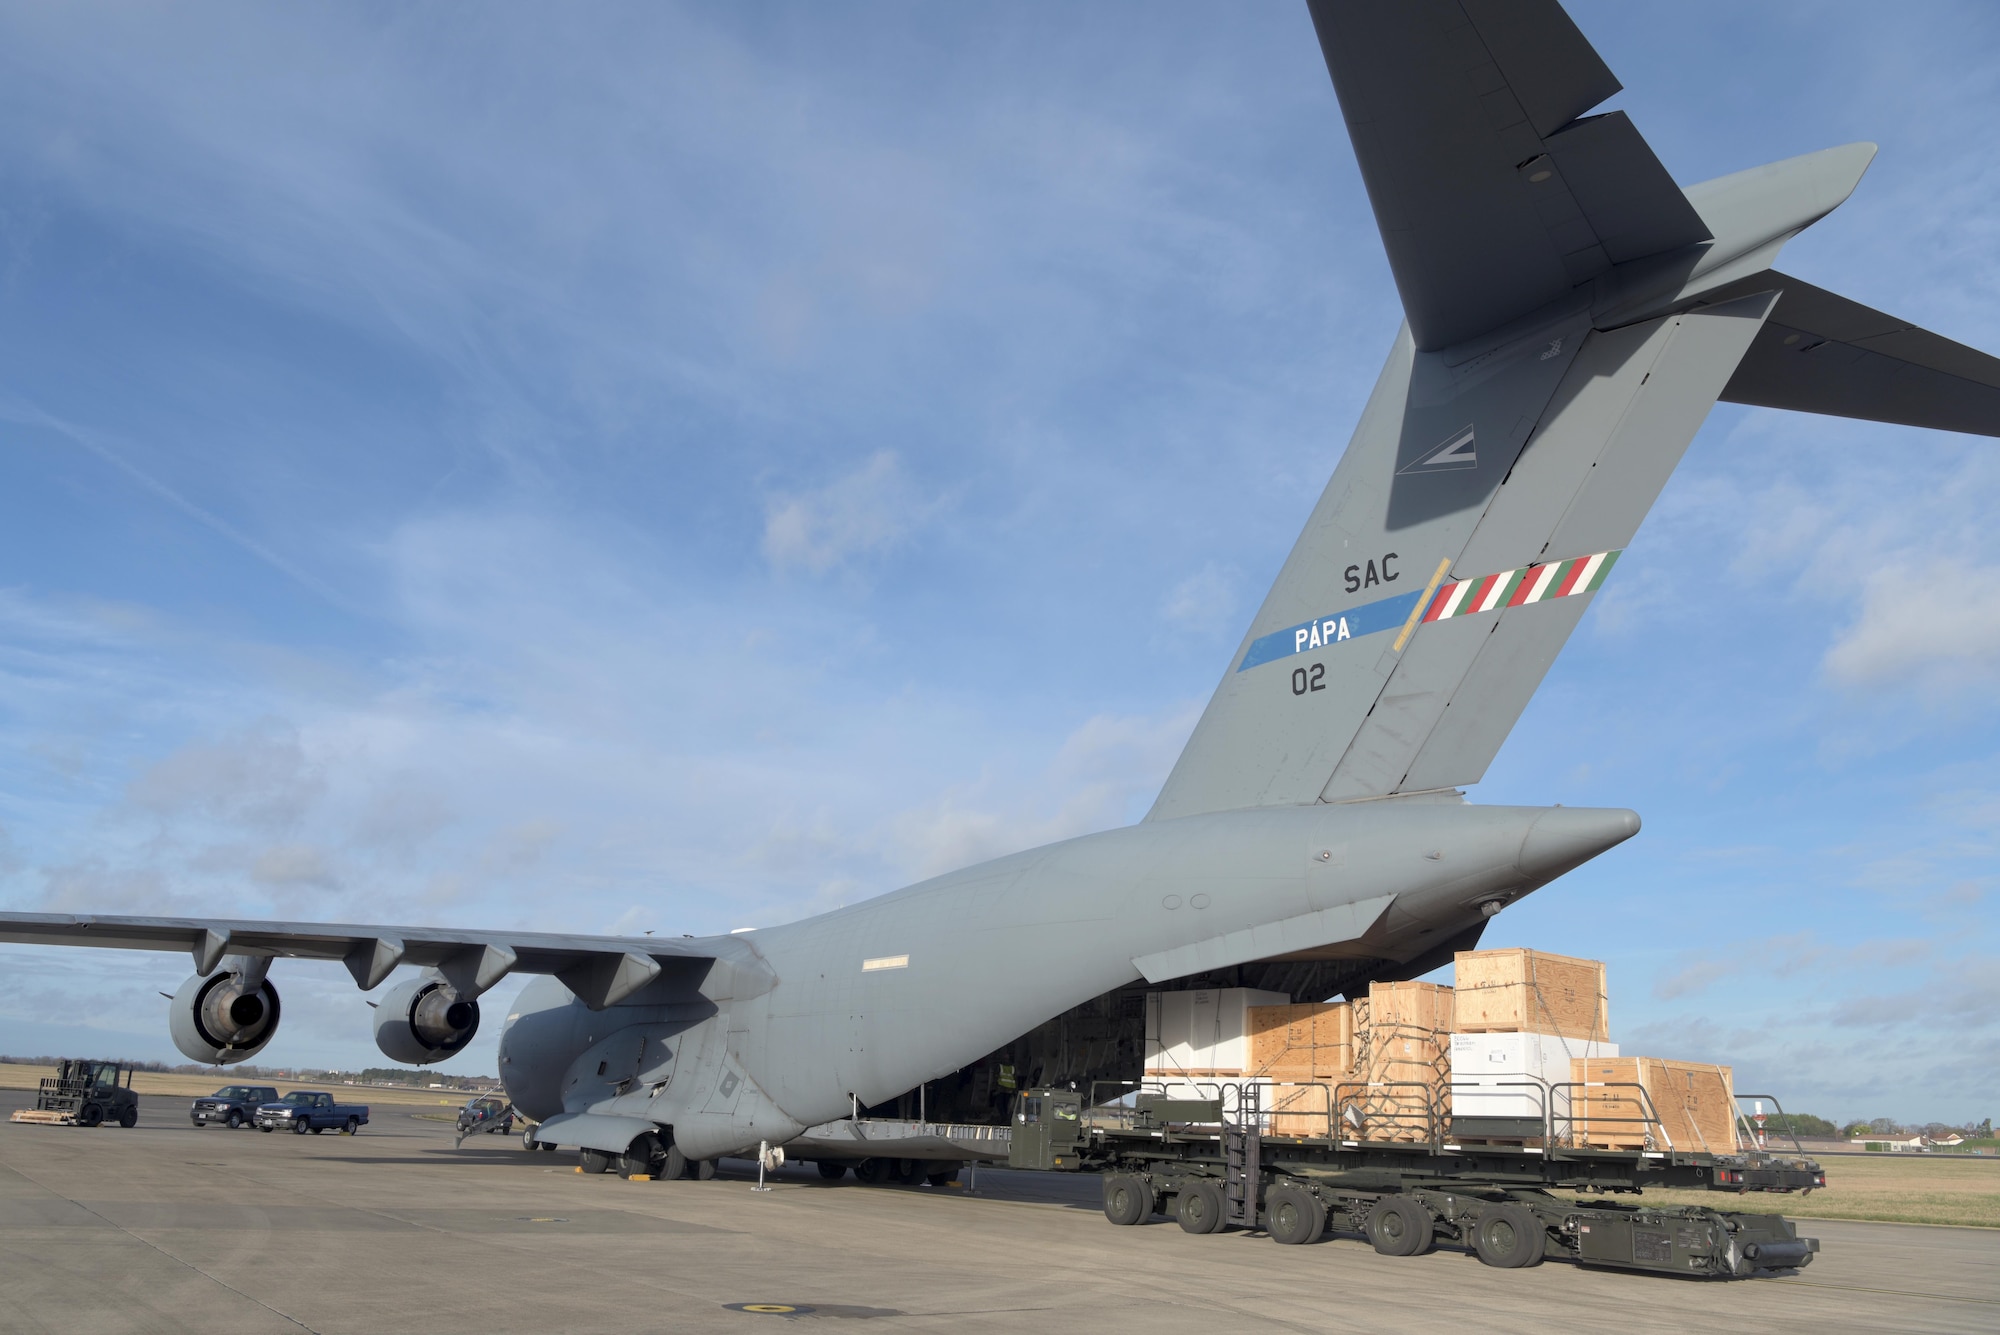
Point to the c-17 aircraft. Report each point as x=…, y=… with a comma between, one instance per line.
x=1571, y=316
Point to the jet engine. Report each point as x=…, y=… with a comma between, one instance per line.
x=424, y=1021
x=224, y=1016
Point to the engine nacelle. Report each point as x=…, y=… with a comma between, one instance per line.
x=223, y=1018
x=424, y=1021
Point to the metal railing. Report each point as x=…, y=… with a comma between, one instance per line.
x=1565, y=1114
x=1753, y=1135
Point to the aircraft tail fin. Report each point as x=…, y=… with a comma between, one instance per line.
x=1474, y=516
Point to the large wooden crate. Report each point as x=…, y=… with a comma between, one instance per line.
x=1301, y=1107
x=1694, y=1103
x=1306, y=1042
x=1402, y=1061
x=1531, y=992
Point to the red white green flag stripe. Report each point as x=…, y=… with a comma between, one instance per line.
x=1517, y=588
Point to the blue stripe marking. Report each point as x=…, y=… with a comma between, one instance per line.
x=1367, y=619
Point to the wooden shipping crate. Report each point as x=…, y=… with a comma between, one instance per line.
x=1531, y=992
x=1427, y=1006
x=1402, y=1061
x=1300, y=1107
x=1695, y=1103
x=1305, y=1042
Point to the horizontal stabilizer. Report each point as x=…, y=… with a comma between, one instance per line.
x=1493, y=198
x=1822, y=353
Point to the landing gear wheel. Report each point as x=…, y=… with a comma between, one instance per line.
x=233, y=1121
x=90, y=1115
x=1293, y=1215
x=1400, y=1227
x=300, y=1127
x=1200, y=1209
x=548, y=1147
x=675, y=1166
x=593, y=1161
x=129, y=1118
x=642, y=1158
x=832, y=1169
x=704, y=1170
x=1509, y=1237
x=527, y=1138
x=1127, y=1199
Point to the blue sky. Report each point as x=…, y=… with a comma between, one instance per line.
x=688, y=467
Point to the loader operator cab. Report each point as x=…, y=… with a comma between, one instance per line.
x=1048, y=1127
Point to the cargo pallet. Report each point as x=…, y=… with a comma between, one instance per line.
x=1214, y=1164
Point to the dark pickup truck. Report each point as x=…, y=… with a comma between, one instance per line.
x=232, y=1107
x=305, y=1110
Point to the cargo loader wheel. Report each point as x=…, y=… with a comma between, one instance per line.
x=593, y=1161
x=1127, y=1199
x=1293, y=1215
x=129, y=1118
x=1400, y=1227
x=1510, y=1237
x=832, y=1169
x=1200, y=1209
x=872, y=1172
x=90, y=1115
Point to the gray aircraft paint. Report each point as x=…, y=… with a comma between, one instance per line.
x=1572, y=317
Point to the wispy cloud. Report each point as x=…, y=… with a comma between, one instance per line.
x=867, y=512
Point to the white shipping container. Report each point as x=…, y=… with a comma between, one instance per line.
x=1202, y=1031
x=1509, y=1075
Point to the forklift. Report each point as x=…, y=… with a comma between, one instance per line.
x=85, y=1093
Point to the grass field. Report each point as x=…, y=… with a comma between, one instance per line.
x=1890, y=1188
x=151, y=1082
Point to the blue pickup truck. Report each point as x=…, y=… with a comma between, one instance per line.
x=231, y=1106
x=312, y=1110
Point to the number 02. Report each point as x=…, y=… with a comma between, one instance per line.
x=1303, y=681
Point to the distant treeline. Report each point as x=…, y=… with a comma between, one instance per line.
x=374, y=1075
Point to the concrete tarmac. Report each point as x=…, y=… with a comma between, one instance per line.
x=166, y=1228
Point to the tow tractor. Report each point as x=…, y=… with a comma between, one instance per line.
x=1333, y=1157
x=84, y=1093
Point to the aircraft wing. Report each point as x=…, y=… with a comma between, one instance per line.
x=1492, y=197
x=602, y=970
x=1822, y=353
